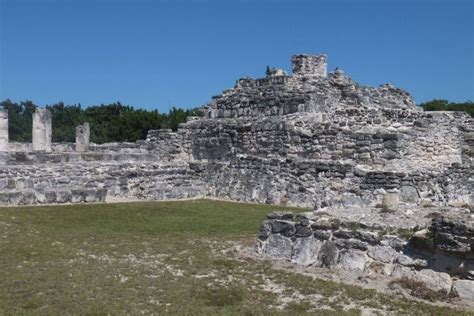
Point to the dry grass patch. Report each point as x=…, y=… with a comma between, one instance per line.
x=159, y=258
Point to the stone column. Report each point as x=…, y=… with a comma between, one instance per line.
x=309, y=65
x=3, y=130
x=42, y=129
x=83, y=133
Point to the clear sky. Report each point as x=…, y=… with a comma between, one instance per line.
x=154, y=54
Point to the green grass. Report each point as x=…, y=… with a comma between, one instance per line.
x=158, y=257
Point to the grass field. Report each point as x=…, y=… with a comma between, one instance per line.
x=159, y=257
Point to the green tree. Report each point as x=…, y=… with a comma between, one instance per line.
x=20, y=119
x=445, y=105
x=109, y=122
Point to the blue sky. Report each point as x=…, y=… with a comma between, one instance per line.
x=154, y=54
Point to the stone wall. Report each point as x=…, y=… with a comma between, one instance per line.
x=348, y=157
x=375, y=138
x=97, y=181
x=440, y=256
x=316, y=183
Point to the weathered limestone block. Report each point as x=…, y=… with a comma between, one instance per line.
x=441, y=280
x=3, y=131
x=408, y=261
x=42, y=130
x=83, y=133
x=409, y=194
x=436, y=281
x=464, y=289
x=309, y=65
x=383, y=254
x=352, y=260
x=305, y=251
x=278, y=246
x=390, y=202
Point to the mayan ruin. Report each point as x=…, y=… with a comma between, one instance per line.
x=307, y=139
x=366, y=160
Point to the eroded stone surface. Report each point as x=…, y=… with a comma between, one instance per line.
x=464, y=288
x=435, y=256
x=42, y=130
x=3, y=130
x=83, y=134
x=305, y=251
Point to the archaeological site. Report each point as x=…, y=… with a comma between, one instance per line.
x=390, y=186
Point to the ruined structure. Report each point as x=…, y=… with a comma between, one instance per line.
x=305, y=139
x=3, y=131
x=355, y=154
x=83, y=133
x=42, y=130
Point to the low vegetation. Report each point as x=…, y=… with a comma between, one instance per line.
x=161, y=257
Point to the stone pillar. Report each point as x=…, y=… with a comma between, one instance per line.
x=42, y=129
x=3, y=130
x=309, y=65
x=83, y=133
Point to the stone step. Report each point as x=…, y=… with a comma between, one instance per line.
x=65, y=195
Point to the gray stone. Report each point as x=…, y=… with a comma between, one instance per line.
x=412, y=262
x=42, y=130
x=83, y=137
x=409, y=194
x=286, y=228
x=390, y=202
x=305, y=251
x=394, y=242
x=352, y=260
x=78, y=195
x=328, y=254
x=309, y=65
x=436, y=281
x=322, y=234
x=3, y=130
x=464, y=289
x=382, y=253
x=15, y=198
x=265, y=230
x=303, y=231
x=351, y=243
x=278, y=246
x=63, y=196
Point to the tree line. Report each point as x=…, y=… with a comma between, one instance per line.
x=445, y=105
x=109, y=122
x=122, y=123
